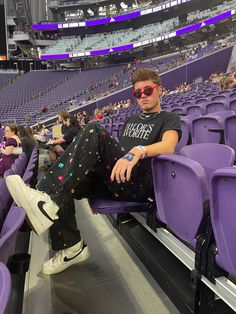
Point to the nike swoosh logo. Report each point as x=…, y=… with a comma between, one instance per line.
x=40, y=206
x=67, y=259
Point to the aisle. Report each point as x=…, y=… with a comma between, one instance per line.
x=111, y=281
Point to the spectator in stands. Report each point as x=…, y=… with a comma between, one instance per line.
x=85, y=117
x=96, y=165
x=233, y=72
x=185, y=87
x=44, y=108
x=11, y=149
x=62, y=142
x=98, y=114
x=41, y=132
x=227, y=82
x=29, y=132
x=62, y=118
x=27, y=141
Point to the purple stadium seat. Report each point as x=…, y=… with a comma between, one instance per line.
x=1, y=134
x=230, y=131
x=222, y=209
x=180, y=187
x=232, y=95
x=108, y=206
x=218, y=98
x=232, y=105
x=202, y=125
x=27, y=176
x=12, y=224
x=186, y=103
x=211, y=156
x=5, y=198
x=224, y=92
x=178, y=110
x=215, y=106
x=23, y=158
x=19, y=166
x=194, y=109
x=5, y=288
x=185, y=134
x=201, y=101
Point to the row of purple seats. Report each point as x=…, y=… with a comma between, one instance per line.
x=218, y=127
x=183, y=187
x=5, y=200
x=184, y=208
x=13, y=218
x=17, y=263
x=206, y=108
x=8, y=234
x=182, y=101
x=5, y=288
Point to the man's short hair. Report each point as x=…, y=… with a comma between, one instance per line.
x=146, y=74
x=64, y=115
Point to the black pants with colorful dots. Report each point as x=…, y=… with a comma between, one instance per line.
x=83, y=171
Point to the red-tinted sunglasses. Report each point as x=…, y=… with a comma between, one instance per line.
x=148, y=91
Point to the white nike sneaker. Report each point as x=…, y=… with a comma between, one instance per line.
x=39, y=207
x=66, y=258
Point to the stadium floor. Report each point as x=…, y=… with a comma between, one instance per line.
x=112, y=280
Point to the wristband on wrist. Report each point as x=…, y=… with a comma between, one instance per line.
x=143, y=150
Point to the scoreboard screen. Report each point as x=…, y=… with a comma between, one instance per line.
x=3, y=50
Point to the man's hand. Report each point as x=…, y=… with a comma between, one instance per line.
x=123, y=167
x=50, y=142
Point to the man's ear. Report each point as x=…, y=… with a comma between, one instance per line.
x=160, y=90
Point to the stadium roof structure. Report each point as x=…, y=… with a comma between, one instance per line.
x=107, y=50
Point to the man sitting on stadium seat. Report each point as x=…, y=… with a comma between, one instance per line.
x=96, y=165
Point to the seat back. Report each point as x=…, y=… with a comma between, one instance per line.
x=232, y=105
x=218, y=97
x=180, y=187
x=1, y=134
x=230, y=131
x=200, y=127
x=201, y=101
x=215, y=106
x=12, y=224
x=222, y=209
x=232, y=95
x=196, y=109
x=23, y=158
x=5, y=197
x=185, y=134
x=211, y=156
x=18, y=167
x=5, y=288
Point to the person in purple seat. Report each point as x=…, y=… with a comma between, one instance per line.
x=10, y=150
x=96, y=165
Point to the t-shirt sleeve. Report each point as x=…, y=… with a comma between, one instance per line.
x=69, y=135
x=172, y=123
x=11, y=142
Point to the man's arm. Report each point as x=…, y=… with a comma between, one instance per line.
x=59, y=140
x=123, y=167
x=166, y=146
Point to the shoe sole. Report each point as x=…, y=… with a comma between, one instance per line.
x=83, y=257
x=37, y=220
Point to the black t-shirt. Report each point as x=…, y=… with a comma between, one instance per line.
x=27, y=145
x=146, y=129
x=64, y=128
x=69, y=136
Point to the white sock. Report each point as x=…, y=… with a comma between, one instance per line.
x=75, y=248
